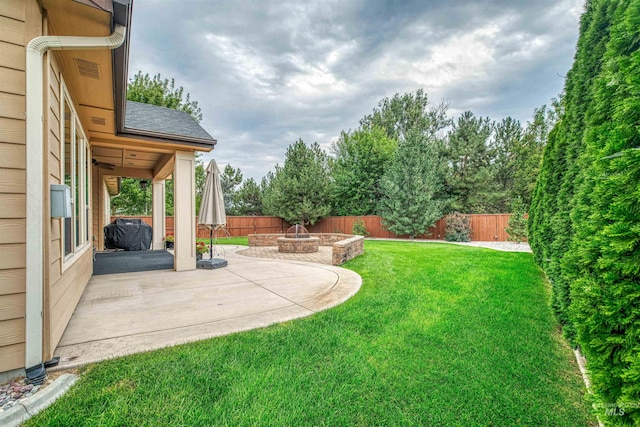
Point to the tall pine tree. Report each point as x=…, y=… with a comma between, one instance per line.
x=298, y=192
x=409, y=203
x=506, y=140
x=470, y=180
x=230, y=180
x=248, y=198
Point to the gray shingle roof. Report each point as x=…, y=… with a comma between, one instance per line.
x=173, y=123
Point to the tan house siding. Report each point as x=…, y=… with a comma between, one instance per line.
x=15, y=32
x=54, y=166
x=12, y=230
x=12, y=80
x=66, y=279
x=12, y=356
x=13, y=9
x=20, y=21
x=66, y=292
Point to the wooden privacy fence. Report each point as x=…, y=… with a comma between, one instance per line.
x=236, y=225
x=245, y=225
x=484, y=227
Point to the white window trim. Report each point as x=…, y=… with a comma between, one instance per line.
x=83, y=244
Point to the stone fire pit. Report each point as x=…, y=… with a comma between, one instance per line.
x=298, y=241
x=343, y=246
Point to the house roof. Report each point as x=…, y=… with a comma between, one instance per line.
x=162, y=120
x=137, y=120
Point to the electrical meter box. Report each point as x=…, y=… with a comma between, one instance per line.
x=60, y=201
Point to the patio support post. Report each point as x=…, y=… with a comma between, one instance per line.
x=158, y=213
x=184, y=211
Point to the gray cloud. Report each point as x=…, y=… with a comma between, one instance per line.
x=268, y=73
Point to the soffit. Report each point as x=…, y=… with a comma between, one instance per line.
x=88, y=74
x=135, y=158
x=113, y=184
x=125, y=158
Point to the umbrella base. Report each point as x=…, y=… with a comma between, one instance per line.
x=210, y=264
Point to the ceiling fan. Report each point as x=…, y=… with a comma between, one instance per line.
x=103, y=165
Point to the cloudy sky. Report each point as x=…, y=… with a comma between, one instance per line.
x=266, y=73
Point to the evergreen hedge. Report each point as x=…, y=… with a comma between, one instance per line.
x=584, y=223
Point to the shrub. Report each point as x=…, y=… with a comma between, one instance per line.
x=458, y=228
x=584, y=224
x=359, y=228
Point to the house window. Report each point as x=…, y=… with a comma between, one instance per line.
x=75, y=230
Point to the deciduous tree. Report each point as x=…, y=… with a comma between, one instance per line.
x=132, y=199
x=360, y=160
x=407, y=113
x=163, y=92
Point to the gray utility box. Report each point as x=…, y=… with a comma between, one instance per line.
x=60, y=201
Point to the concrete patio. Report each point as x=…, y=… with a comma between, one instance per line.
x=128, y=313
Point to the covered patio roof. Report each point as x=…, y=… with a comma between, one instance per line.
x=146, y=119
x=146, y=123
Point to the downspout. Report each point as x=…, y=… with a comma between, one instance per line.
x=35, y=180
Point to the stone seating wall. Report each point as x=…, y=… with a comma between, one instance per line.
x=347, y=249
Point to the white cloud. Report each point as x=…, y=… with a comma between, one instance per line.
x=243, y=61
x=268, y=73
x=314, y=81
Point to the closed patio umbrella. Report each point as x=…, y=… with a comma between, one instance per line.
x=212, y=213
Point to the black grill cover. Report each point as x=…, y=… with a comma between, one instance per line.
x=130, y=234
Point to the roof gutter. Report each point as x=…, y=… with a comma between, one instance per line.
x=36, y=49
x=200, y=143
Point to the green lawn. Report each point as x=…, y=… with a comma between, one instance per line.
x=438, y=335
x=227, y=241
